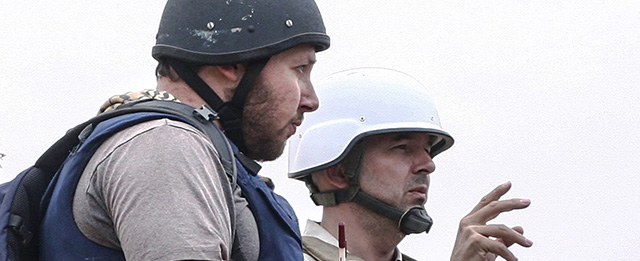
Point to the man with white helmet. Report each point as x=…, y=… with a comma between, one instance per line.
x=366, y=156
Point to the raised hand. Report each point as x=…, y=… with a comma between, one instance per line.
x=477, y=241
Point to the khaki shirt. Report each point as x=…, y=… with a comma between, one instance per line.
x=319, y=244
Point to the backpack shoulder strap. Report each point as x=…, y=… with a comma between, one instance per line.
x=23, y=200
x=201, y=118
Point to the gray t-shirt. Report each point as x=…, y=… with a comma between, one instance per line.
x=157, y=191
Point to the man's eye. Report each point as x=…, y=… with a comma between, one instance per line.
x=401, y=147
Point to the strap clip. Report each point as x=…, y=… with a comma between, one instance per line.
x=206, y=114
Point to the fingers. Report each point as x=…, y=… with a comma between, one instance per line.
x=495, y=208
x=505, y=235
x=490, y=257
x=507, y=239
x=494, y=195
x=476, y=237
x=518, y=229
x=478, y=247
x=500, y=249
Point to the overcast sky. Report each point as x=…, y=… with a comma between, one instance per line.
x=542, y=93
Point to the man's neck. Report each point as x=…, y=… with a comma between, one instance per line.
x=369, y=236
x=182, y=92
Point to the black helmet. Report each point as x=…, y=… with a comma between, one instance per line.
x=226, y=32
x=219, y=32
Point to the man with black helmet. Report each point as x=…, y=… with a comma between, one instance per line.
x=158, y=190
x=366, y=156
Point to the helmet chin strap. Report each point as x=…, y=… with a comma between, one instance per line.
x=413, y=220
x=230, y=112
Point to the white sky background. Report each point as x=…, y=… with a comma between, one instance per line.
x=542, y=93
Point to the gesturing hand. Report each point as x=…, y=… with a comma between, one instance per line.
x=473, y=241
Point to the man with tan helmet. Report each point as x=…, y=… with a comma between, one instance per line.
x=366, y=156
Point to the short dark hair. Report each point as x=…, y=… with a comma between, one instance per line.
x=164, y=70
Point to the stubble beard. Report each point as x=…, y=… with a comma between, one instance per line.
x=262, y=141
x=376, y=225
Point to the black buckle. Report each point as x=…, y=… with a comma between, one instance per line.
x=18, y=227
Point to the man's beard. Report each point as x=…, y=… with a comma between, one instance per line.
x=259, y=133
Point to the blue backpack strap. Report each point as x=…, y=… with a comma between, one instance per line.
x=61, y=239
x=59, y=231
x=200, y=118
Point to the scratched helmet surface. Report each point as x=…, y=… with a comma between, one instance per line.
x=218, y=32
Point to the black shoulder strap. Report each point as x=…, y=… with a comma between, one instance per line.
x=201, y=118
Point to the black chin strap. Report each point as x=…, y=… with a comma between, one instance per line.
x=230, y=112
x=188, y=75
x=414, y=220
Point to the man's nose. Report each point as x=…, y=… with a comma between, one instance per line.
x=424, y=163
x=308, y=98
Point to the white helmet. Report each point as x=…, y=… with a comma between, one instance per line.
x=357, y=103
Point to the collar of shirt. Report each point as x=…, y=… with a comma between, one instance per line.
x=314, y=229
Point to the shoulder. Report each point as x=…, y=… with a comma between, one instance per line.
x=155, y=155
x=156, y=137
x=154, y=147
x=164, y=129
x=154, y=175
x=317, y=243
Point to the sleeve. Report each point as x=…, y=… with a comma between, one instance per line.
x=168, y=196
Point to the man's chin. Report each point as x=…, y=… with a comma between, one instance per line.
x=417, y=199
x=268, y=153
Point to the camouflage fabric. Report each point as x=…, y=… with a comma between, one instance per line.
x=147, y=94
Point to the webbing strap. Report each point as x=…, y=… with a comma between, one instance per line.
x=231, y=111
x=51, y=160
x=334, y=197
x=196, y=83
x=413, y=220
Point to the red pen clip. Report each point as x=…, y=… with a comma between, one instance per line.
x=342, y=243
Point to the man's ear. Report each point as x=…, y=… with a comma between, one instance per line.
x=336, y=177
x=233, y=72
